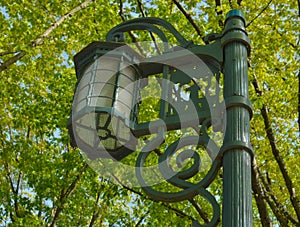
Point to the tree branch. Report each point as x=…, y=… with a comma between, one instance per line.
x=281, y=35
x=133, y=38
x=40, y=39
x=230, y=4
x=46, y=34
x=201, y=212
x=65, y=195
x=281, y=213
x=121, y=13
x=189, y=17
x=259, y=196
x=219, y=12
x=299, y=101
x=8, y=177
x=299, y=82
x=96, y=211
x=258, y=15
x=141, y=8
x=276, y=153
x=219, y=4
x=11, y=61
x=142, y=218
x=177, y=211
x=19, y=182
x=298, y=8
x=14, y=189
x=280, y=217
x=7, y=53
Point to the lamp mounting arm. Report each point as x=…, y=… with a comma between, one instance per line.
x=148, y=24
x=116, y=34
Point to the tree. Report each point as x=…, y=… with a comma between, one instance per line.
x=46, y=182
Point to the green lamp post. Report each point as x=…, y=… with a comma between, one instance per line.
x=105, y=121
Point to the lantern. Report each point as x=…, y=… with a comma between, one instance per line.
x=104, y=105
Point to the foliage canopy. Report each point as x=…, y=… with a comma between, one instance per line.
x=45, y=182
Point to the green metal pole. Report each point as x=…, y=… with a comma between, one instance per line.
x=237, y=151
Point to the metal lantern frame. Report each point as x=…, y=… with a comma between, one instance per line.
x=227, y=53
x=90, y=57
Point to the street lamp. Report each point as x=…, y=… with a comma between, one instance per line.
x=105, y=121
x=104, y=100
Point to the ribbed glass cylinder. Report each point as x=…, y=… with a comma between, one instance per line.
x=104, y=107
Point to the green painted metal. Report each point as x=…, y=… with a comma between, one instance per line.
x=97, y=49
x=145, y=24
x=179, y=179
x=83, y=60
x=228, y=52
x=236, y=150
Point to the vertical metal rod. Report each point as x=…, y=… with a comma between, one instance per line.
x=165, y=93
x=237, y=151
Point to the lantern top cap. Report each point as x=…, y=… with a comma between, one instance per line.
x=235, y=13
x=97, y=49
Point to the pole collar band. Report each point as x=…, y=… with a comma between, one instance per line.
x=239, y=101
x=235, y=30
x=238, y=145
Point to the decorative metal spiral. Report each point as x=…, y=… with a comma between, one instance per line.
x=179, y=179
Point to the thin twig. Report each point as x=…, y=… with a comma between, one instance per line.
x=201, y=212
x=189, y=17
x=299, y=102
x=258, y=15
x=219, y=11
x=7, y=53
x=121, y=13
x=280, y=217
x=141, y=8
x=96, y=211
x=142, y=218
x=11, y=61
x=46, y=34
x=140, y=5
x=65, y=194
x=14, y=190
x=38, y=41
x=278, y=208
x=259, y=196
x=133, y=38
x=219, y=4
x=177, y=211
x=230, y=4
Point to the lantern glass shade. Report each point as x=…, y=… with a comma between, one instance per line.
x=104, y=105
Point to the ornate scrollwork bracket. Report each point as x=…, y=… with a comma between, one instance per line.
x=190, y=99
x=106, y=122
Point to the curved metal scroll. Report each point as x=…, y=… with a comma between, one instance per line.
x=147, y=24
x=179, y=179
